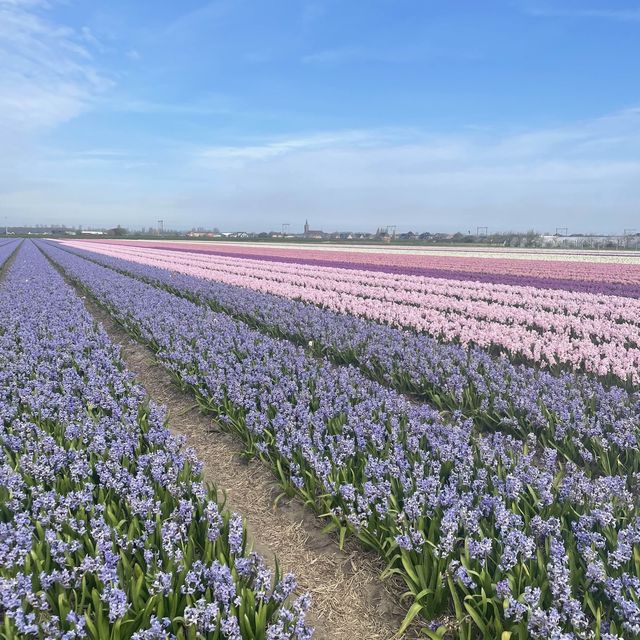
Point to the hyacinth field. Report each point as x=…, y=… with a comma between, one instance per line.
x=472, y=417
x=107, y=529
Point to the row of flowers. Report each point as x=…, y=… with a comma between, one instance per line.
x=384, y=286
x=545, y=308
x=587, y=422
x=7, y=249
x=518, y=540
x=619, y=274
x=106, y=527
x=362, y=252
x=600, y=335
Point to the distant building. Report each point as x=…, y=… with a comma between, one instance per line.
x=312, y=233
x=341, y=235
x=202, y=234
x=590, y=241
x=234, y=234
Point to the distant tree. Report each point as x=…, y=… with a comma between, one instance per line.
x=531, y=238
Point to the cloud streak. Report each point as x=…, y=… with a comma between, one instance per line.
x=239, y=154
x=355, y=179
x=614, y=135
x=47, y=72
x=422, y=180
x=396, y=55
x=622, y=15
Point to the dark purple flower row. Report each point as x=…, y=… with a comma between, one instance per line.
x=564, y=284
x=106, y=527
x=7, y=248
x=515, y=536
x=590, y=424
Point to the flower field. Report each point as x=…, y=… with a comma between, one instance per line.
x=6, y=250
x=598, y=334
x=594, y=273
x=107, y=528
x=482, y=437
x=479, y=434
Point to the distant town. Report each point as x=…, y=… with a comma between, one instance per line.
x=560, y=237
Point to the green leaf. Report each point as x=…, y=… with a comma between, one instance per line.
x=414, y=610
x=408, y=567
x=456, y=600
x=91, y=626
x=330, y=526
x=438, y=634
x=343, y=533
x=476, y=618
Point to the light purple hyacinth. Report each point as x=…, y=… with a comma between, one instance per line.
x=7, y=248
x=405, y=479
x=90, y=476
x=556, y=330
x=573, y=411
x=236, y=534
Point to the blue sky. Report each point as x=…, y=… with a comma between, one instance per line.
x=355, y=113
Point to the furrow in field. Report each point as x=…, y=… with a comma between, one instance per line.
x=7, y=250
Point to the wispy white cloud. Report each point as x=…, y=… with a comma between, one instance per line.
x=397, y=54
x=610, y=13
x=585, y=175
x=581, y=171
x=47, y=71
x=266, y=150
x=212, y=105
x=90, y=38
x=615, y=135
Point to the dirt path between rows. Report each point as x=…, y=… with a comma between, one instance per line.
x=350, y=602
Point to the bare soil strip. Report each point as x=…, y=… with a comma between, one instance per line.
x=349, y=599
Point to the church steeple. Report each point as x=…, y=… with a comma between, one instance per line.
x=306, y=227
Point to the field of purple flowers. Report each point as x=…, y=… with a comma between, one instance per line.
x=509, y=502
x=107, y=529
x=588, y=422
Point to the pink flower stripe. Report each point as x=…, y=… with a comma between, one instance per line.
x=587, y=268
x=600, y=334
